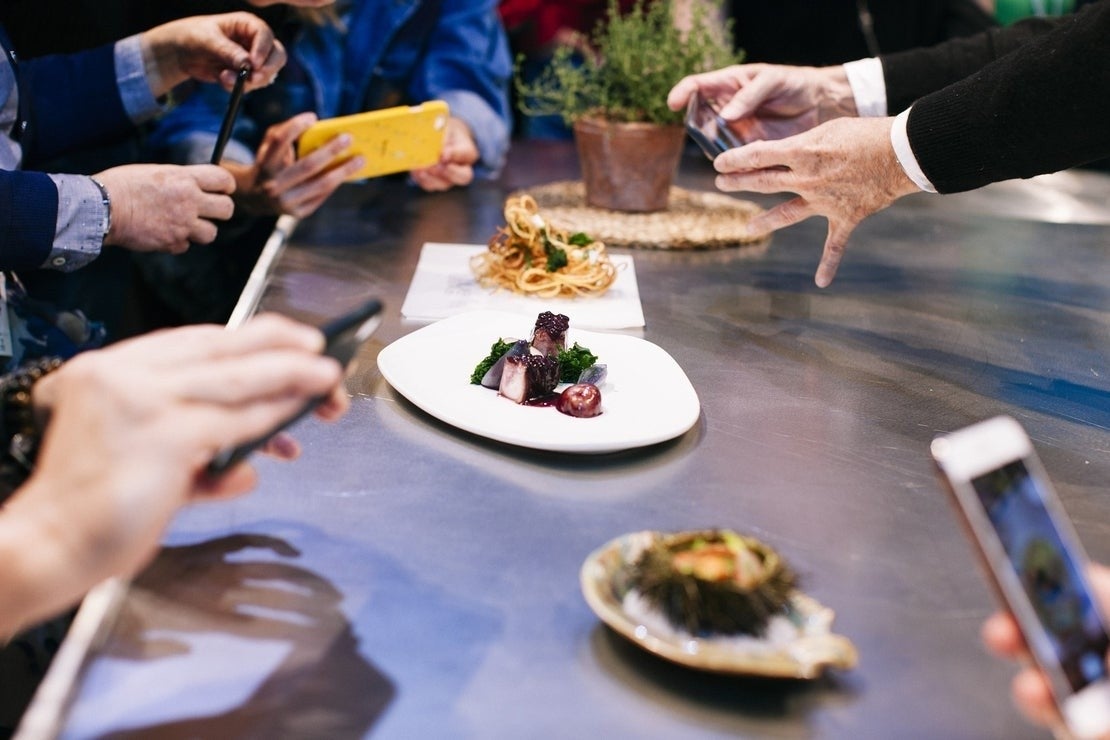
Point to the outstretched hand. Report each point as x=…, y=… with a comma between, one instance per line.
x=844, y=170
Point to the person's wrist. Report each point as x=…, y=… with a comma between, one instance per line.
x=834, y=94
x=41, y=560
x=163, y=73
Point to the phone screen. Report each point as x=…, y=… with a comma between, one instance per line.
x=1049, y=574
x=708, y=129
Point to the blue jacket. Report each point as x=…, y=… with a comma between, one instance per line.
x=395, y=52
x=65, y=102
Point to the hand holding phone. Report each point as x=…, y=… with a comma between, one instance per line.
x=344, y=335
x=1034, y=560
x=390, y=140
x=708, y=129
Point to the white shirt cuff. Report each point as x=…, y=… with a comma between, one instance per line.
x=865, y=77
x=900, y=141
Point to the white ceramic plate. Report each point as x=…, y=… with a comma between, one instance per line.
x=803, y=648
x=645, y=399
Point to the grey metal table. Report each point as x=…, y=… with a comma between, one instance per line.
x=405, y=579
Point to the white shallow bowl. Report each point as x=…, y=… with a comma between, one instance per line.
x=646, y=397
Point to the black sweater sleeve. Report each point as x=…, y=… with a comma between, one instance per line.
x=1040, y=108
x=912, y=74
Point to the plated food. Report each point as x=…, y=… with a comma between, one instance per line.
x=531, y=257
x=647, y=397
x=711, y=583
x=529, y=371
x=712, y=600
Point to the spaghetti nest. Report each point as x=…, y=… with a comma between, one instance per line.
x=531, y=257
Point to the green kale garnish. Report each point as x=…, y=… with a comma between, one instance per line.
x=573, y=361
x=497, y=349
x=580, y=240
x=556, y=256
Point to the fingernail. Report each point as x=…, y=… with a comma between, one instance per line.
x=345, y=140
x=284, y=446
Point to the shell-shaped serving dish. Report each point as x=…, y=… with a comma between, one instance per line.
x=798, y=644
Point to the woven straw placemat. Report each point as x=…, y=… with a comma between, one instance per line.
x=692, y=220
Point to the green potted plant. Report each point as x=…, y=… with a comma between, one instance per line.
x=629, y=142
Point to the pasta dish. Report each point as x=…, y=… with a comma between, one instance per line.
x=531, y=257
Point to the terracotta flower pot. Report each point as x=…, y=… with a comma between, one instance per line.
x=628, y=166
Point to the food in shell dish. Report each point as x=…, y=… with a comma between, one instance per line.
x=715, y=581
x=795, y=642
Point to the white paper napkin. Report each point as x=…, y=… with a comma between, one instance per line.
x=444, y=286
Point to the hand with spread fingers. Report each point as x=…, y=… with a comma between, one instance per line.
x=844, y=170
x=128, y=434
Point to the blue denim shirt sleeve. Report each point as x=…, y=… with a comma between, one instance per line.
x=468, y=64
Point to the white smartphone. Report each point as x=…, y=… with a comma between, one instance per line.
x=1034, y=560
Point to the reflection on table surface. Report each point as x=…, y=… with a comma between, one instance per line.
x=406, y=579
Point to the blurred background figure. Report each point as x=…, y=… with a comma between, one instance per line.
x=348, y=57
x=355, y=56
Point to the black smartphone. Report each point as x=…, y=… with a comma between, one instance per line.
x=229, y=116
x=344, y=335
x=1034, y=560
x=708, y=129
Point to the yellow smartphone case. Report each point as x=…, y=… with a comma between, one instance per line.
x=391, y=140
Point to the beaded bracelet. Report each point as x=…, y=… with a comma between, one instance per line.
x=17, y=413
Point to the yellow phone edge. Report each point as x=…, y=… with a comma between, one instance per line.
x=391, y=140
